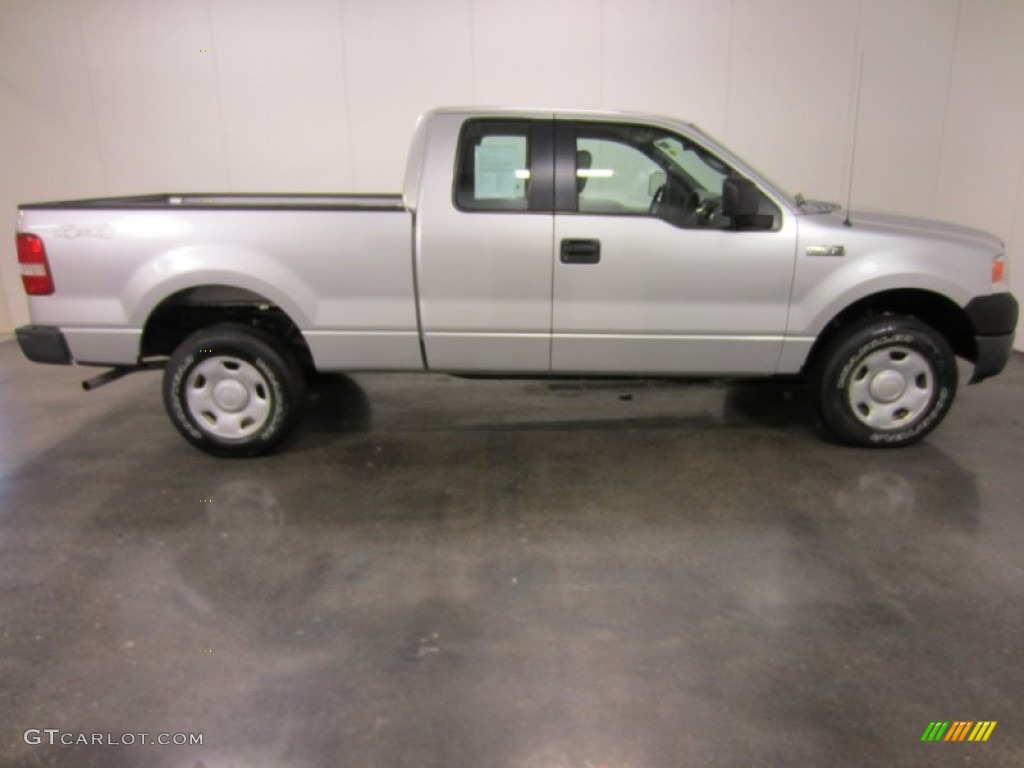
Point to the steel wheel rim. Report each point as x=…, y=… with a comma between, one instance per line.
x=891, y=388
x=228, y=397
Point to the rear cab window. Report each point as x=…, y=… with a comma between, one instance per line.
x=494, y=166
x=505, y=165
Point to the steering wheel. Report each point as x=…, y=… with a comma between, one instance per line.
x=702, y=208
x=657, y=200
x=706, y=210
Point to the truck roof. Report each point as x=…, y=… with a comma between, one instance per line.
x=540, y=113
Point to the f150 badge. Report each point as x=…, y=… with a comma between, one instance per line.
x=826, y=250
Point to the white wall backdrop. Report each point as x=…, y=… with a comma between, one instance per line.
x=115, y=97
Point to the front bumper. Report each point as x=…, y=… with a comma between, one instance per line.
x=994, y=320
x=43, y=344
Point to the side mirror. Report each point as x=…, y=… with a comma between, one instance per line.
x=740, y=197
x=741, y=201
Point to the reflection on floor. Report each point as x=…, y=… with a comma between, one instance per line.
x=438, y=572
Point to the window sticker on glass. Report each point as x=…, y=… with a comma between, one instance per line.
x=500, y=168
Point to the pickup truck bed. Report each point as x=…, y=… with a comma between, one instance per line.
x=338, y=266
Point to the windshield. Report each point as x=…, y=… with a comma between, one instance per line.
x=718, y=147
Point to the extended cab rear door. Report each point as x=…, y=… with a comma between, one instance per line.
x=650, y=276
x=484, y=252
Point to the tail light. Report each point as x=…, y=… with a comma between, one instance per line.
x=35, y=269
x=999, y=269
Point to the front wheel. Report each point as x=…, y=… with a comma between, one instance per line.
x=886, y=382
x=233, y=390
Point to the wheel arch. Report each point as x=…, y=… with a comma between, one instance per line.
x=934, y=309
x=191, y=309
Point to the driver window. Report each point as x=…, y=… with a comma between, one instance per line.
x=640, y=170
x=613, y=177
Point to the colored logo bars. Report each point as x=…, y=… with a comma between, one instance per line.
x=959, y=730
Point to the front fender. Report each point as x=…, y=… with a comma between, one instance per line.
x=817, y=308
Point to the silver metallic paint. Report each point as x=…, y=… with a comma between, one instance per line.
x=485, y=292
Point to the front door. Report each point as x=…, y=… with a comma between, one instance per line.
x=650, y=276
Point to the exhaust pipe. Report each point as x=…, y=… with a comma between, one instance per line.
x=116, y=373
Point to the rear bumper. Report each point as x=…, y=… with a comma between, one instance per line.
x=994, y=320
x=43, y=344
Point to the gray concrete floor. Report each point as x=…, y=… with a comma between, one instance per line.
x=437, y=572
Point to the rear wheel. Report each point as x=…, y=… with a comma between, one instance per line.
x=886, y=382
x=233, y=390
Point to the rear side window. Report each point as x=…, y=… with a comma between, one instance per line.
x=494, y=166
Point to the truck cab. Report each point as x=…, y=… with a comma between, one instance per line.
x=571, y=243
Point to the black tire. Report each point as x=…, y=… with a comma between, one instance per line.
x=233, y=390
x=886, y=382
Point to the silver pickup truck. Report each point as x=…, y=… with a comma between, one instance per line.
x=526, y=243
